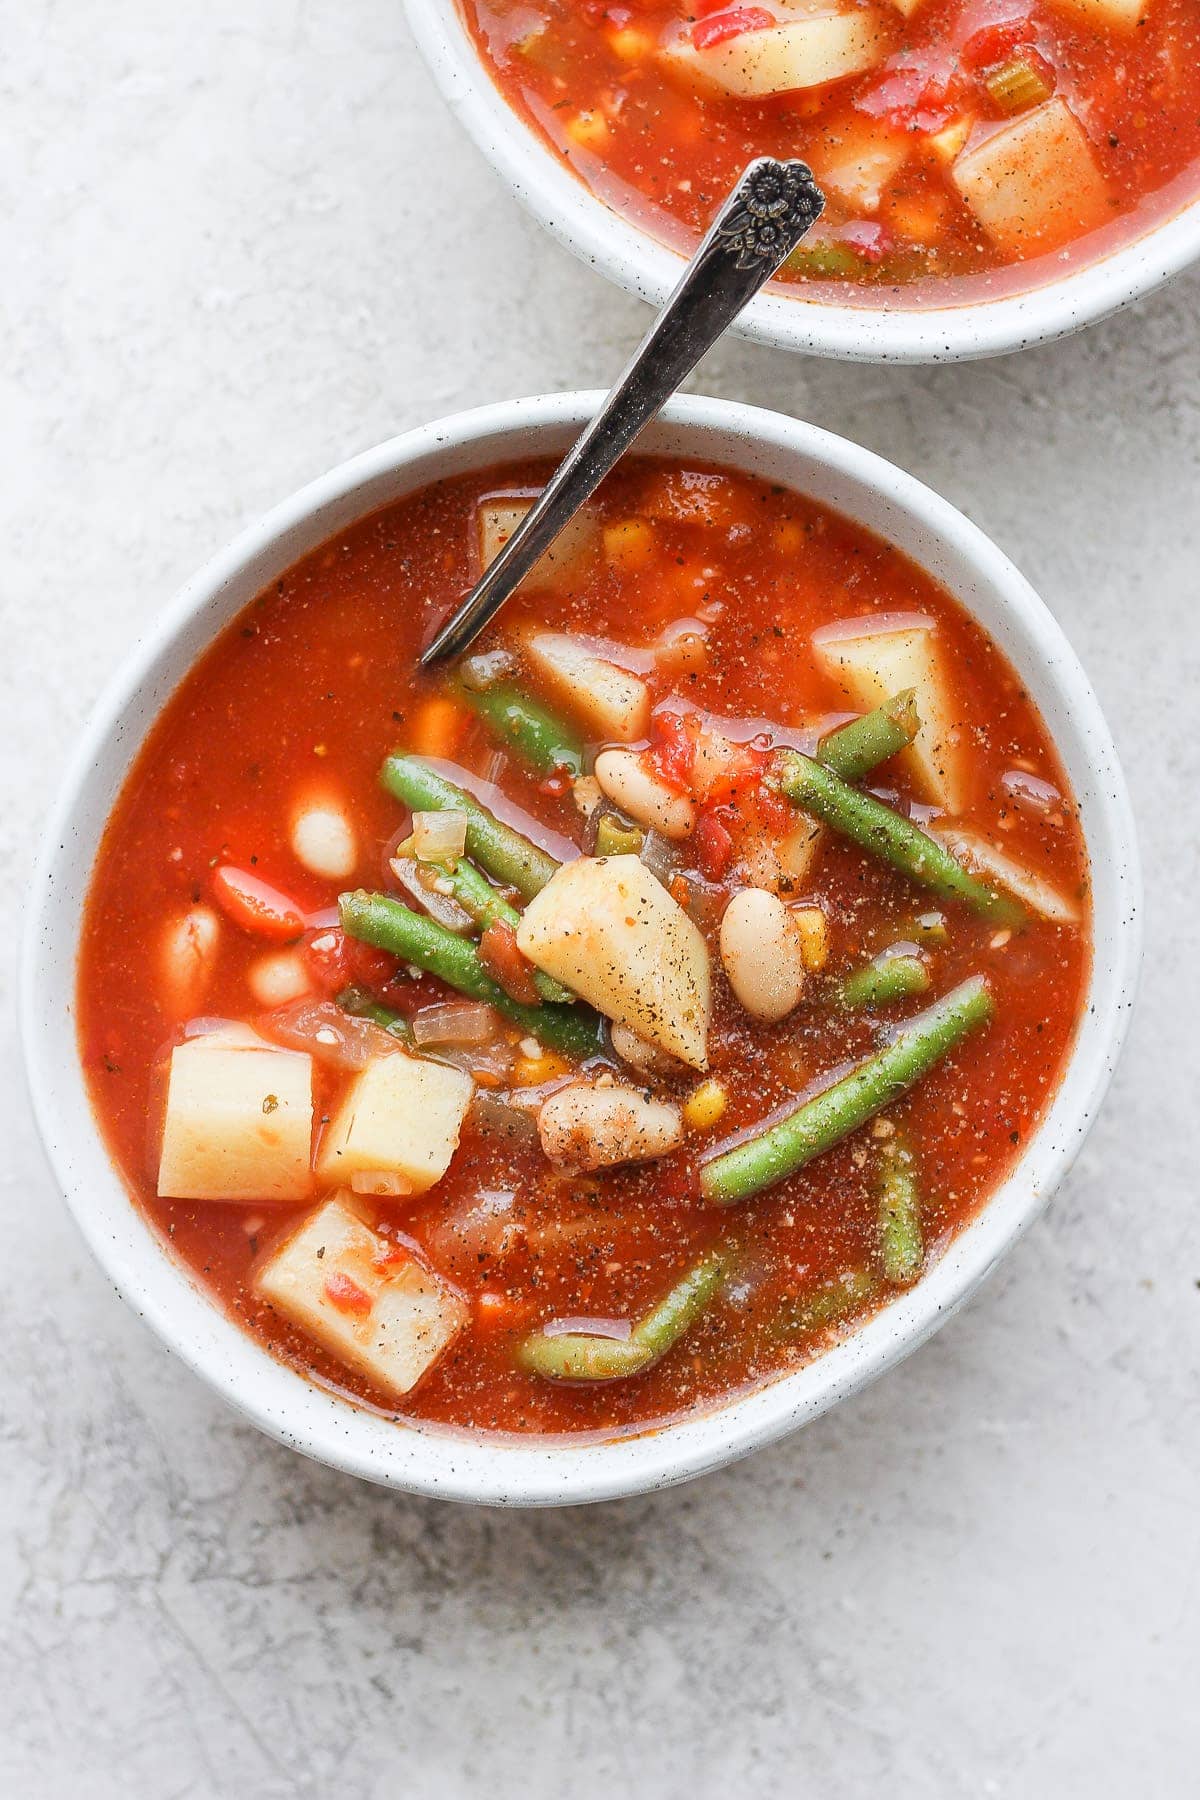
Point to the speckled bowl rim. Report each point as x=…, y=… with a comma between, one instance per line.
x=642, y=265
x=504, y=1472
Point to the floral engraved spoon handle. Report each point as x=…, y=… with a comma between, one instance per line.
x=760, y=224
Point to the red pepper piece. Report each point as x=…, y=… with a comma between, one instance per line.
x=256, y=906
x=723, y=26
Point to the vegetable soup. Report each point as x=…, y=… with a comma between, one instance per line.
x=967, y=148
x=585, y=1034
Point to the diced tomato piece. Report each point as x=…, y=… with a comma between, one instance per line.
x=994, y=43
x=503, y=961
x=347, y=1296
x=256, y=906
x=714, y=845
x=730, y=25
x=336, y=961
x=672, y=751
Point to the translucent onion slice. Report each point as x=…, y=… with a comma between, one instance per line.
x=455, y=1022
x=439, y=836
x=620, y=1329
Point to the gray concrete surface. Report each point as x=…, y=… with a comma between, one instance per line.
x=241, y=242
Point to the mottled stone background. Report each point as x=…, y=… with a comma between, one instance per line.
x=241, y=242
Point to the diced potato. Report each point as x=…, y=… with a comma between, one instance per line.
x=857, y=159
x=1034, y=184
x=985, y=858
x=947, y=143
x=782, y=58
x=590, y=1127
x=878, y=664
x=499, y=516
x=400, y=1116
x=363, y=1298
x=607, y=929
x=238, y=1122
x=612, y=702
x=1115, y=15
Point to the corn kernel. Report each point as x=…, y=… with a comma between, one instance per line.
x=631, y=45
x=531, y=1071
x=704, y=1106
x=813, y=929
x=630, y=542
x=588, y=130
x=947, y=142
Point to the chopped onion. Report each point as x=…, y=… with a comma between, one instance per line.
x=620, y=1329
x=205, y=1026
x=872, y=625
x=455, y=1022
x=660, y=855
x=325, y=920
x=492, y=1116
x=417, y=880
x=1029, y=792
x=335, y=1038
x=483, y=671
x=439, y=836
x=383, y=1183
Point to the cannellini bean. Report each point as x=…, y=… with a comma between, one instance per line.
x=323, y=840
x=646, y=1058
x=586, y=1127
x=186, y=954
x=278, y=978
x=762, y=953
x=630, y=785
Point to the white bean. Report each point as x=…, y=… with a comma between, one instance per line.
x=630, y=785
x=646, y=1058
x=762, y=953
x=586, y=1127
x=277, y=978
x=323, y=840
x=186, y=955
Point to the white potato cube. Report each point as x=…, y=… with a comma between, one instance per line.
x=1034, y=184
x=1116, y=15
x=238, y=1122
x=499, y=516
x=366, y=1300
x=612, y=702
x=986, y=859
x=879, y=664
x=783, y=58
x=401, y=1116
x=608, y=930
x=857, y=159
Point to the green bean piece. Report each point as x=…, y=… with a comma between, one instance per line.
x=476, y=895
x=536, y=734
x=827, y=1304
x=496, y=847
x=577, y=1357
x=853, y=750
x=882, y=982
x=378, y=919
x=901, y=1239
x=615, y=838
x=773, y=1154
x=363, y=1005
x=888, y=835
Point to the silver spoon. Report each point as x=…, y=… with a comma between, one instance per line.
x=771, y=208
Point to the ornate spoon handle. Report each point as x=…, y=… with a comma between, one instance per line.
x=762, y=221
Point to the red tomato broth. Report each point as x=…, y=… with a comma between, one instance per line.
x=589, y=78
x=314, y=684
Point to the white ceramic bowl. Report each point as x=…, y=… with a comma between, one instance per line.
x=458, y=1466
x=641, y=264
